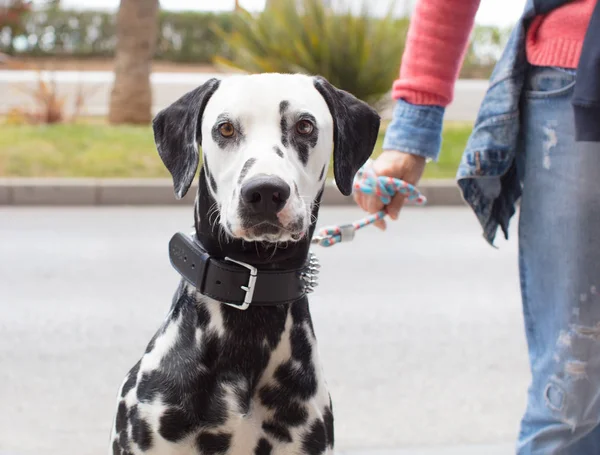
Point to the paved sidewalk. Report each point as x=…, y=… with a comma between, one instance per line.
x=503, y=449
x=421, y=353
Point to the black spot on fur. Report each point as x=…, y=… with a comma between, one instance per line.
x=175, y=424
x=293, y=414
x=278, y=151
x=131, y=379
x=300, y=382
x=263, y=447
x=115, y=448
x=246, y=168
x=296, y=225
x=315, y=441
x=195, y=398
x=283, y=107
x=300, y=311
x=322, y=174
x=140, y=430
x=302, y=143
x=287, y=410
x=328, y=420
x=123, y=442
x=271, y=396
x=213, y=443
x=203, y=316
x=148, y=387
x=301, y=348
x=211, y=350
x=121, y=419
x=244, y=398
x=277, y=431
x=272, y=319
x=150, y=346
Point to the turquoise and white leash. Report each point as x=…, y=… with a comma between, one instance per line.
x=367, y=182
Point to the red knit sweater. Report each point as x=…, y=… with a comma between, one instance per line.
x=438, y=37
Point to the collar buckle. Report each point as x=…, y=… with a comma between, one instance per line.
x=249, y=288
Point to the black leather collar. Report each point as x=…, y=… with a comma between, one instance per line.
x=235, y=283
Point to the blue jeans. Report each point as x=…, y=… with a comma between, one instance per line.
x=559, y=261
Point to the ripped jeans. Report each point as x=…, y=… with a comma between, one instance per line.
x=559, y=261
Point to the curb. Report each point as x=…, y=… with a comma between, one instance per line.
x=495, y=449
x=111, y=192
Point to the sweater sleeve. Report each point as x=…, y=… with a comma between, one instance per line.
x=435, y=49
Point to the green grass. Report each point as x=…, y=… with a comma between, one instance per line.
x=94, y=149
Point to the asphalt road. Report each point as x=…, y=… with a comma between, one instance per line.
x=420, y=328
x=167, y=87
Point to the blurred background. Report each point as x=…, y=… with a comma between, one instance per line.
x=62, y=63
x=423, y=354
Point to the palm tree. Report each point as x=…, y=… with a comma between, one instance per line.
x=131, y=96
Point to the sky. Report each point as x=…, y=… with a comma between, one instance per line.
x=491, y=12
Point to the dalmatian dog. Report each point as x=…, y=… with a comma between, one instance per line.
x=217, y=379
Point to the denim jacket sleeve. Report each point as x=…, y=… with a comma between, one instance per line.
x=415, y=129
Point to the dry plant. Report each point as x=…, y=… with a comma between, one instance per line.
x=50, y=106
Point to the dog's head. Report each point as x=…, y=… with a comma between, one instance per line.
x=266, y=141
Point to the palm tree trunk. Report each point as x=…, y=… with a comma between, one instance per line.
x=131, y=96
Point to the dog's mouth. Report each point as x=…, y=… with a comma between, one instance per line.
x=270, y=231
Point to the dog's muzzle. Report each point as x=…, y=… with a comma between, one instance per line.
x=264, y=210
x=264, y=196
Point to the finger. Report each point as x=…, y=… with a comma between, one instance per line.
x=358, y=198
x=374, y=204
x=363, y=201
x=393, y=208
x=380, y=224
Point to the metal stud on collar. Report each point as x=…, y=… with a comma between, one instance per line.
x=310, y=275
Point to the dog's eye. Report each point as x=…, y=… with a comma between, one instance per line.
x=226, y=129
x=304, y=127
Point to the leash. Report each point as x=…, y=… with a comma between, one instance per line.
x=367, y=182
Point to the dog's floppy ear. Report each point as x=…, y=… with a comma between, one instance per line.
x=177, y=133
x=355, y=129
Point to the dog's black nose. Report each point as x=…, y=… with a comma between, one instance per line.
x=265, y=194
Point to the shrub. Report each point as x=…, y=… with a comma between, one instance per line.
x=357, y=53
x=53, y=32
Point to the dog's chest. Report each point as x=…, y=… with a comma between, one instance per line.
x=202, y=388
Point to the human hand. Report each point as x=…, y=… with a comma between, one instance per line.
x=396, y=164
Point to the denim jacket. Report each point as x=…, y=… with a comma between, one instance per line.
x=487, y=175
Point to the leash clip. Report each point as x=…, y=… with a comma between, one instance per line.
x=335, y=234
x=347, y=232
x=318, y=239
